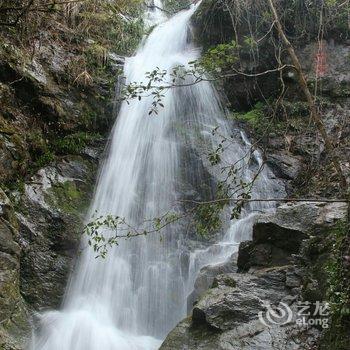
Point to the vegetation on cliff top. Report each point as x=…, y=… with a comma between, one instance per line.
x=57, y=75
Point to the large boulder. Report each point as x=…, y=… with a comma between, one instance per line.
x=284, y=165
x=227, y=317
x=206, y=278
x=278, y=237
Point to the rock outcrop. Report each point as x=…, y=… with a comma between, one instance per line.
x=50, y=224
x=278, y=237
x=227, y=315
x=40, y=231
x=52, y=134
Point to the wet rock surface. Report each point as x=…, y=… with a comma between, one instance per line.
x=285, y=165
x=206, y=279
x=50, y=222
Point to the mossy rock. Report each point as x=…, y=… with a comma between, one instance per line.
x=68, y=197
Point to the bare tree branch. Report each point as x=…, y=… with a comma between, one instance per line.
x=305, y=200
x=311, y=101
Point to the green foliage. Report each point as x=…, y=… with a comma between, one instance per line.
x=103, y=27
x=275, y=118
x=250, y=42
x=155, y=87
x=133, y=32
x=44, y=159
x=254, y=117
x=106, y=231
x=338, y=293
x=96, y=56
x=96, y=238
x=39, y=150
x=14, y=185
x=89, y=29
x=303, y=18
x=295, y=109
x=174, y=6
x=43, y=152
x=114, y=25
x=68, y=197
x=104, y=21
x=74, y=143
x=207, y=218
x=220, y=58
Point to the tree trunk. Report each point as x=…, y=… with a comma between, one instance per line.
x=311, y=101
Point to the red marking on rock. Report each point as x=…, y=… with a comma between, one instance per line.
x=321, y=62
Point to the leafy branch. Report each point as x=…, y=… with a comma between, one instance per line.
x=213, y=66
x=106, y=231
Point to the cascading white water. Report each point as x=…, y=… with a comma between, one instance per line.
x=133, y=298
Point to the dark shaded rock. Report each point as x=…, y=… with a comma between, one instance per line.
x=13, y=155
x=184, y=337
x=226, y=307
x=285, y=165
x=210, y=25
x=277, y=237
x=307, y=146
x=117, y=62
x=261, y=255
x=272, y=245
x=315, y=258
x=282, y=237
x=293, y=280
x=336, y=77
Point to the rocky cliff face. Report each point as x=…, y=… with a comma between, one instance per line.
x=40, y=231
x=272, y=270
x=291, y=258
x=52, y=135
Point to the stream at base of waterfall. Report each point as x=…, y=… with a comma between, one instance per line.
x=134, y=297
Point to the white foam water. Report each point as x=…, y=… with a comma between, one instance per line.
x=134, y=297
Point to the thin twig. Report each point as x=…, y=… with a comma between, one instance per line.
x=306, y=200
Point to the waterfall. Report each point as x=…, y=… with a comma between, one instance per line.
x=134, y=297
